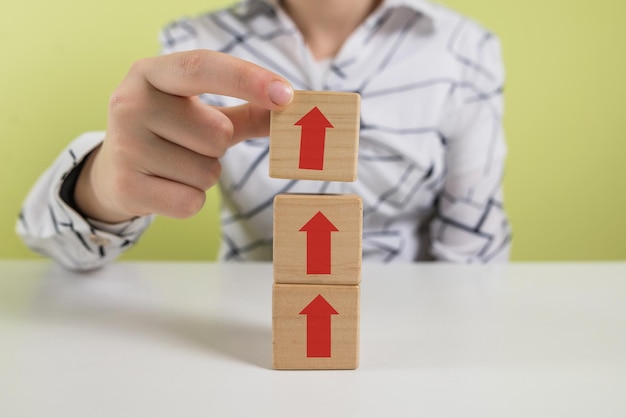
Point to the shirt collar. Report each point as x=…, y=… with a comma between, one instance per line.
x=427, y=9
x=422, y=6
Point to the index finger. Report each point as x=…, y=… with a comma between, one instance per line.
x=192, y=73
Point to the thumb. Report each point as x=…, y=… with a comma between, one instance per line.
x=249, y=121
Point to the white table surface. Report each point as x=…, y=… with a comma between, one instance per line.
x=194, y=340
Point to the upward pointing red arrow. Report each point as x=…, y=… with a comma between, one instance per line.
x=318, y=248
x=312, y=139
x=318, y=312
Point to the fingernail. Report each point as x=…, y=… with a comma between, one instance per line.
x=280, y=92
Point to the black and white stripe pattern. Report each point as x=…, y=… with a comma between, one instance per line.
x=431, y=151
x=431, y=148
x=48, y=225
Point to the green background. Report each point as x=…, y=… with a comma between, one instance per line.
x=565, y=115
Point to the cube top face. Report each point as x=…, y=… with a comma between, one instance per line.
x=315, y=327
x=317, y=239
x=316, y=137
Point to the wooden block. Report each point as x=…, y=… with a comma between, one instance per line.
x=317, y=238
x=316, y=137
x=315, y=326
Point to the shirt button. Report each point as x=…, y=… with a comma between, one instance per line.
x=99, y=240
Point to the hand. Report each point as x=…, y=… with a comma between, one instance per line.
x=162, y=147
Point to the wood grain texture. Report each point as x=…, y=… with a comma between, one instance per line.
x=340, y=130
x=296, y=330
x=294, y=242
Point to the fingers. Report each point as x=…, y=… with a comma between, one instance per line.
x=169, y=181
x=137, y=109
x=187, y=122
x=193, y=125
x=162, y=144
x=248, y=121
x=192, y=73
x=167, y=198
x=173, y=162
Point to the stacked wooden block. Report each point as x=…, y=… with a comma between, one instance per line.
x=317, y=237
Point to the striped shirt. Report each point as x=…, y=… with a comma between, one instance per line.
x=431, y=146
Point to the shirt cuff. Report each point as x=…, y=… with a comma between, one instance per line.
x=101, y=242
x=52, y=227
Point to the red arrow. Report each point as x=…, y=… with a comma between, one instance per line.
x=318, y=314
x=312, y=139
x=318, y=230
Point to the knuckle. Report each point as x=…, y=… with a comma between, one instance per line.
x=222, y=133
x=131, y=94
x=211, y=173
x=190, y=64
x=125, y=100
x=243, y=77
x=191, y=202
x=118, y=100
x=217, y=131
x=137, y=68
x=216, y=171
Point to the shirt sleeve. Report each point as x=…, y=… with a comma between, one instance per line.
x=50, y=226
x=471, y=225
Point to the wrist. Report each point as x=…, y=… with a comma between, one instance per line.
x=87, y=199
